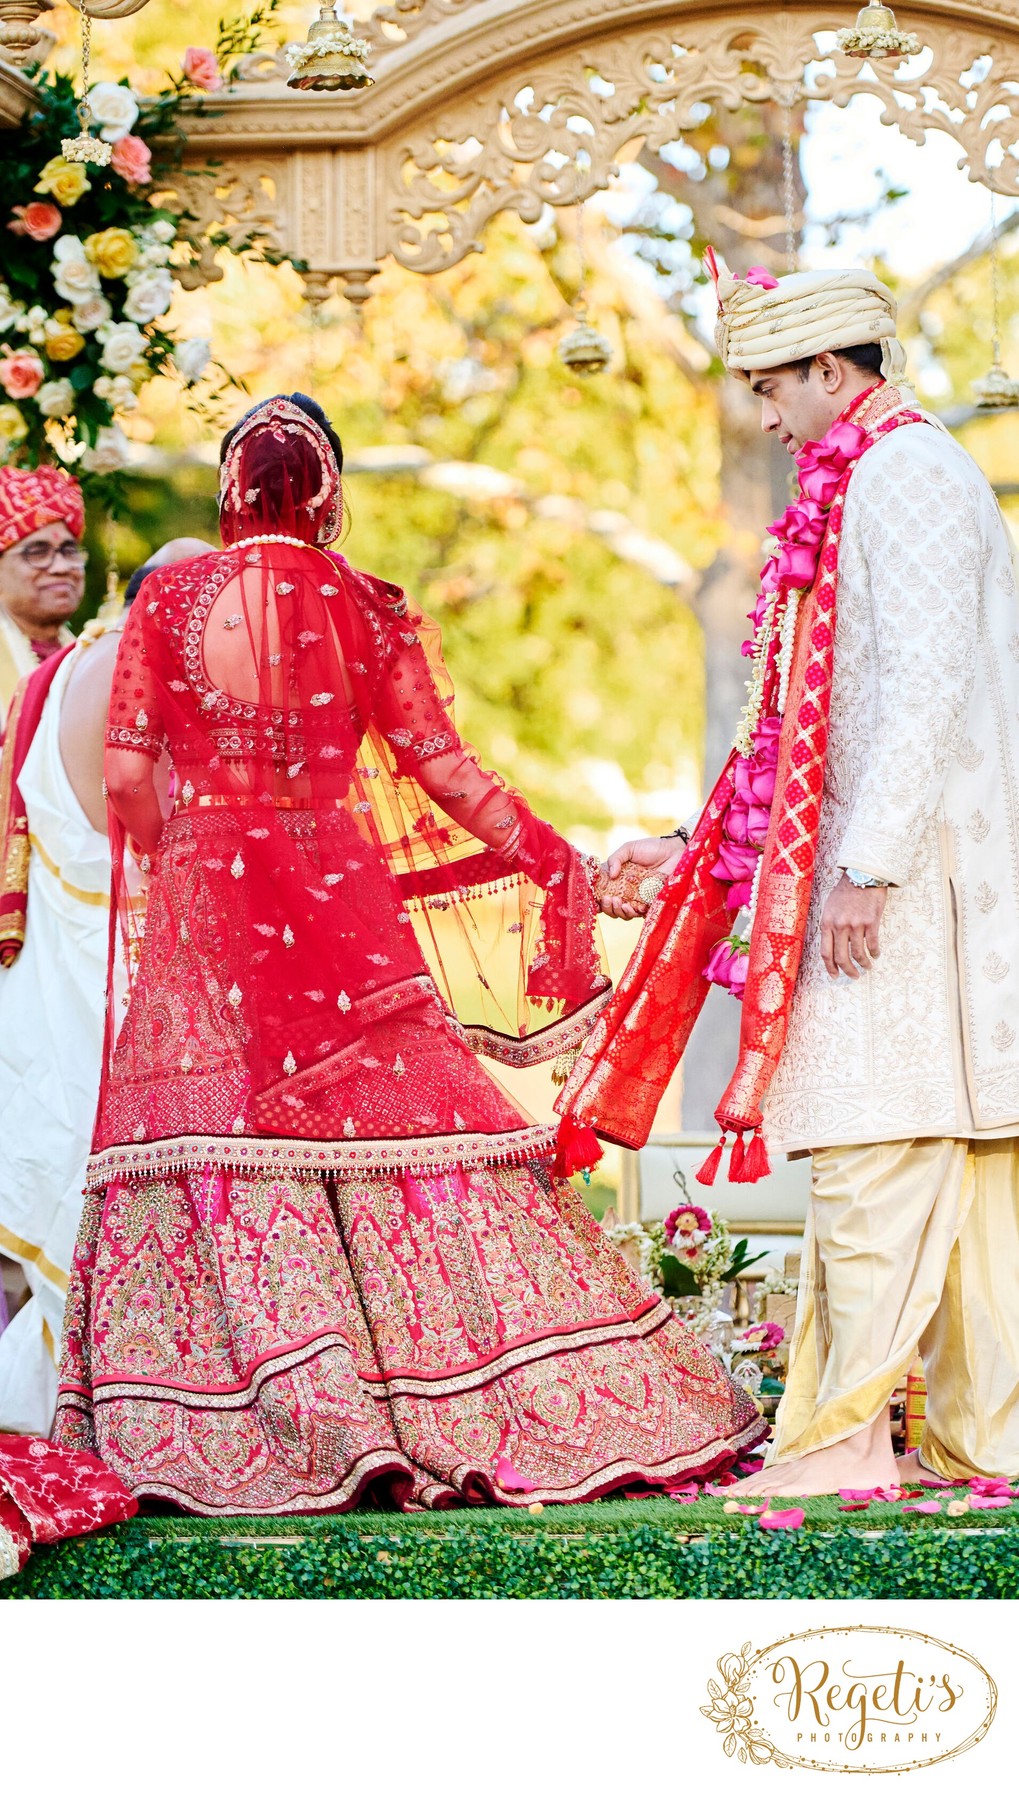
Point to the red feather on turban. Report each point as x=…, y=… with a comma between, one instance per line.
x=31, y=498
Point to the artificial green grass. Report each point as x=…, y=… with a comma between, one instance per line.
x=654, y=1548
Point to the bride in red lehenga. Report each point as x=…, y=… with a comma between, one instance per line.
x=325, y=1254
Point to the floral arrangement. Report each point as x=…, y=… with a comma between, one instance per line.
x=89, y=263
x=689, y=1257
x=795, y=547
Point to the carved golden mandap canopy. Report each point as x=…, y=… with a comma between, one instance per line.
x=485, y=106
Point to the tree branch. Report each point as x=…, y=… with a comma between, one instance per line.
x=913, y=305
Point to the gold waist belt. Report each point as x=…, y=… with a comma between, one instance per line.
x=244, y=801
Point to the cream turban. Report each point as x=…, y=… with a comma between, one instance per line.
x=803, y=314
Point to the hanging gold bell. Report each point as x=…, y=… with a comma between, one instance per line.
x=584, y=350
x=876, y=35
x=996, y=391
x=332, y=58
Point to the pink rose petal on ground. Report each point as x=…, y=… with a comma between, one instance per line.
x=858, y=1496
x=978, y=1502
x=928, y=1508
x=508, y=1478
x=782, y=1518
x=853, y=1508
x=991, y=1487
x=682, y=1496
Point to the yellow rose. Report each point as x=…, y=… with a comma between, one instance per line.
x=13, y=428
x=112, y=252
x=66, y=181
x=63, y=342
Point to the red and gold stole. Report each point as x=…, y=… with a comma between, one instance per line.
x=640, y=1036
x=22, y=722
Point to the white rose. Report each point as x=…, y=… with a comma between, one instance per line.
x=35, y=318
x=149, y=296
x=55, y=398
x=118, y=390
x=73, y=274
x=11, y=314
x=123, y=345
x=92, y=312
x=192, y=358
x=163, y=231
x=109, y=453
x=154, y=255
x=114, y=108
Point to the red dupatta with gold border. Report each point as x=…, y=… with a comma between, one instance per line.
x=641, y=1035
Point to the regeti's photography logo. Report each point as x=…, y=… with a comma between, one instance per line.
x=851, y=1699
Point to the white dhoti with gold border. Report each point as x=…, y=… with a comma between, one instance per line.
x=910, y=1245
x=52, y=1003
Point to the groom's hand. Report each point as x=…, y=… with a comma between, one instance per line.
x=652, y=854
x=850, y=927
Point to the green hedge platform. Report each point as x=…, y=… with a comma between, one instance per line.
x=650, y=1548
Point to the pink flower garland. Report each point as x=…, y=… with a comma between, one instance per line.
x=798, y=534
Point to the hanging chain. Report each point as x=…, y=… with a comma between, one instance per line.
x=995, y=286
x=580, y=303
x=789, y=190
x=84, y=109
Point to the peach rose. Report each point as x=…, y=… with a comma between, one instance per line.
x=38, y=220
x=202, y=69
x=132, y=161
x=21, y=375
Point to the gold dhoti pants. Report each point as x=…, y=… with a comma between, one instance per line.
x=910, y=1244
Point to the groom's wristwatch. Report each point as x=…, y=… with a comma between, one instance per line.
x=863, y=880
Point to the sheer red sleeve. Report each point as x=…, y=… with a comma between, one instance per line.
x=414, y=715
x=135, y=722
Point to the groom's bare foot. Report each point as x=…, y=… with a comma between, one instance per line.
x=910, y=1471
x=864, y=1461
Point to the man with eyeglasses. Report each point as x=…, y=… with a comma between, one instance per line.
x=42, y=569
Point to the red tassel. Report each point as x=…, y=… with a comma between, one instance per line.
x=756, y=1165
x=576, y=1147
x=705, y=1175
x=736, y=1158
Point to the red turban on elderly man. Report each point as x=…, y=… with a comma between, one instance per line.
x=31, y=498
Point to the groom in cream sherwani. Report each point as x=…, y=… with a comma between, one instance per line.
x=900, y=1073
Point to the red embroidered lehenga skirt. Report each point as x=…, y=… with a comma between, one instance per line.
x=283, y=1344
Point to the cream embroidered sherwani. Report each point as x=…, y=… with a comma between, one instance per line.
x=921, y=790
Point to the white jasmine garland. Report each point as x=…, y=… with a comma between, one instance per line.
x=114, y=108
x=149, y=296
x=123, y=345
x=191, y=358
x=109, y=453
x=56, y=398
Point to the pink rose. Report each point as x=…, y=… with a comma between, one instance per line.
x=132, y=160
x=21, y=375
x=739, y=894
x=39, y=220
x=822, y=465
x=727, y=967
x=769, y=584
x=764, y=1337
x=202, y=69
x=766, y=740
x=736, y=860
x=761, y=277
